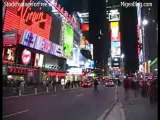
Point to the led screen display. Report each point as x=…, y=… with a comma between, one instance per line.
x=115, y=36
x=28, y=39
x=38, y=60
x=115, y=51
x=43, y=44
x=8, y=54
x=115, y=25
x=85, y=27
x=115, y=62
x=10, y=37
x=114, y=16
x=68, y=40
x=115, y=44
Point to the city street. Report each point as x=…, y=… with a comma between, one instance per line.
x=78, y=104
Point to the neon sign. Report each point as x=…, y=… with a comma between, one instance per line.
x=26, y=56
x=23, y=17
x=8, y=54
x=115, y=36
x=29, y=15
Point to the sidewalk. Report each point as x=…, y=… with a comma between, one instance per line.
x=117, y=113
x=134, y=109
x=30, y=90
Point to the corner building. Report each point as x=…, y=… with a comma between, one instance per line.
x=30, y=51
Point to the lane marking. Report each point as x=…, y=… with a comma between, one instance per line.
x=15, y=113
x=79, y=95
x=107, y=112
x=102, y=117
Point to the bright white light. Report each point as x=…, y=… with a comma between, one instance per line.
x=82, y=63
x=145, y=22
x=122, y=56
x=149, y=61
x=114, y=11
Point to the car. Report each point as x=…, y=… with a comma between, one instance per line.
x=106, y=78
x=109, y=83
x=86, y=84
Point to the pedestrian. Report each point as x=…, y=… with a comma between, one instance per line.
x=22, y=84
x=144, y=89
x=126, y=87
x=153, y=92
x=63, y=82
x=96, y=86
x=53, y=84
x=134, y=86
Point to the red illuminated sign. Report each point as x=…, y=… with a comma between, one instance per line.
x=56, y=74
x=85, y=27
x=29, y=15
x=115, y=36
x=10, y=37
x=26, y=56
x=23, y=17
x=8, y=55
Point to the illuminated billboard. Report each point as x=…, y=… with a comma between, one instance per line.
x=85, y=27
x=28, y=39
x=115, y=25
x=29, y=17
x=115, y=51
x=10, y=37
x=114, y=17
x=38, y=60
x=115, y=62
x=8, y=54
x=68, y=40
x=115, y=34
x=26, y=56
x=115, y=44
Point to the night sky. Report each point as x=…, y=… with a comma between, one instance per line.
x=97, y=22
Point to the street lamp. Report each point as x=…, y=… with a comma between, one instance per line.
x=122, y=56
x=145, y=22
x=122, y=63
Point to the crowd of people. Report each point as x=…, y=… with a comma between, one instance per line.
x=145, y=87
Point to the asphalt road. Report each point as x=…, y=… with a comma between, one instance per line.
x=78, y=104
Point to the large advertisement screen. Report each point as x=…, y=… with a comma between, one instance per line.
x=68, y=40
x=38, y=60
x=37, y=42
x=115, y=34
x=8, y=54
x=21, y=14
x=115, y=49
x=28, y=39
x=114, y=16
x=115, y=62
x=10, y=37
